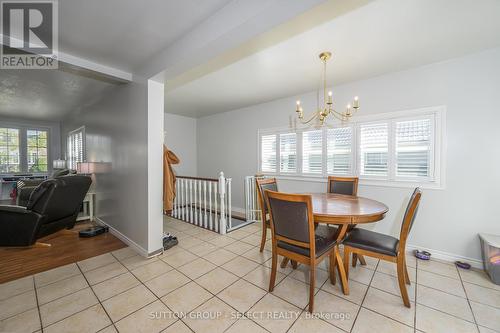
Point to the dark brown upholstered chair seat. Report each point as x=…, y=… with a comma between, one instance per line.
x=372, y=241
x=324, y=239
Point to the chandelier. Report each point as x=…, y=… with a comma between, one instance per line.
x=327, y=109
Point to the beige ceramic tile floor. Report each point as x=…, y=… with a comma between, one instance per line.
x=213, y=283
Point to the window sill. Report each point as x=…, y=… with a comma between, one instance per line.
x=364, y=182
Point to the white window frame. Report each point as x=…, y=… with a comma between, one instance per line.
x=23, y=147
x=436, y=179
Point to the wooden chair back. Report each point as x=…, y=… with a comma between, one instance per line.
x=343, y=185
x=263, y=184
x=292, y=219
x=409, y=218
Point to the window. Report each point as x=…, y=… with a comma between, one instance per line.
x=373, y=149
x=312, y=152
x=394, y=148
x=288, y=152
x=23, y=149
x=413, y=148
x=37, y=151
x=9, y=150
x=76, y=147
x=339, y=151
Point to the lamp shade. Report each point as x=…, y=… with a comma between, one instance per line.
x=85, y=167
x=93, y=167
x=59, y=164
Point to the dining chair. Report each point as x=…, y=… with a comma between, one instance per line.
x=343, y=185
x=296, y=237
x=262, y=185
x=385, y=247
x=347, y=186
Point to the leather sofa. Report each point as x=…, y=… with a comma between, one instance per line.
x=26, y=186
x=53, y=205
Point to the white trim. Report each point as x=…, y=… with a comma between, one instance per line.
x=445, y=256
x=136, y=247
x=436, y=179
x=362, y=181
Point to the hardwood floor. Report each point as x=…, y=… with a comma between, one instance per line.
x=66, y=248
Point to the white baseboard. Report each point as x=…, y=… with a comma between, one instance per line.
x=136, y=247
x=445, y=256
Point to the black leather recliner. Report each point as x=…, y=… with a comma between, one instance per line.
x=26, y=186
x=53, y=205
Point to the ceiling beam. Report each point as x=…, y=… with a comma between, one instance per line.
x=84, y=67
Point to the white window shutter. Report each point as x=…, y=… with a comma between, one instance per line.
x=312, y=152
x=76, y=149
x=288, y=152
x=339, y=142
x=413, y=148
x=268, y=153
x=373, y=149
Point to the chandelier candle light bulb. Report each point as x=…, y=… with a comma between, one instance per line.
x=323, y=112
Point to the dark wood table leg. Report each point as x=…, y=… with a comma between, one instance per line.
x=342, y=230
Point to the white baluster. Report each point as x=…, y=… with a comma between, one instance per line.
x=183, y=203
x=195, y=202
x=205, y=204
x=247, y=200
x=191, y=201
x=222, y=194
x=216, y=198
x=174, y=210
x=200, y=220
x=229, y=213
x=210, y=213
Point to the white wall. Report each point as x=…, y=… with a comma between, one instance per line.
x=180, y=137
x=116, y=129
x=449, y=219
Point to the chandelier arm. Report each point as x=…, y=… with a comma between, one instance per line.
x=339, y=116
x=336, y=113
x=313, y=116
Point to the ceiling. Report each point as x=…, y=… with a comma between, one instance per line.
x=117, y=33
x=125, y=34
x=46, y=94
x=381, y=37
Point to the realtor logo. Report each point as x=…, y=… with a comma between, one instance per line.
x=29, y=34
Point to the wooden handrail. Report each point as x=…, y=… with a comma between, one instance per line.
x=199, y=178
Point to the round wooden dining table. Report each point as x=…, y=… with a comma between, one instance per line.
x=345, y=211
